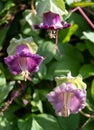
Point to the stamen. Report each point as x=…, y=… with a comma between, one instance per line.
x=26, y=75
x=66, y=107
x=22, y=61
x=52, y=33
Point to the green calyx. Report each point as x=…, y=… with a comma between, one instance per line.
x=28, y=41
x=55, y=6
x=77, y=81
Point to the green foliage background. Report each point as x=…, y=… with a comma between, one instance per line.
x=31, y=110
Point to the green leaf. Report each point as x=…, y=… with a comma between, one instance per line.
x=65, y=34
x=82, y=4
x=90, y=47
x=43, y=93
x=3, y=35
x=37, y=106
x=70, y=1
x=89, y=36
x=5, y=13
x=79, y=20
x=89, y=42
x=63, y=67
x=60, y=68
x=25, y=124
x=35, y=125
x=39, y=122
x=60, y=4
x=47, y=122
x=8, y=5
x=66, y=61
x=1, y=5
x=92, y=90
x=8, y=121
x=45, y=49
x=67, y=52
x=54, y=6
x=31, y=18
x=87, y=70
x=42, y=71
x=81, y=47
x=5, y=88
x=89, y=126
x=36, y=102
x=67, y=123
x=2, y=80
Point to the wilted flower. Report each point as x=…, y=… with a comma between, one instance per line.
x=52, y=21
x=23, y=62
x=67, y=99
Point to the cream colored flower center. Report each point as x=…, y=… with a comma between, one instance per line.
x=66, y=107
x=26, y=75
x=22, y=61
x=52, y=33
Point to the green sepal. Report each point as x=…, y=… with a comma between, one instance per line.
x=55, y=6
x=31, y=18
x=15, y=42
x=77, y=81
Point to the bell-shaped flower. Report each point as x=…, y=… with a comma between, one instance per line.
x=67, y=99
x=23, y=62
x=52, y=21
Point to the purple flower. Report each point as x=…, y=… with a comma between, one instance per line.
x=67, y=99
x=23, y=62
x=52, y=21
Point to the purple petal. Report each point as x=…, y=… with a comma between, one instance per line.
x=22, y=47
x=12, y=62
x=56, y=99
x=23, y=60
x=65, y=24
x=75, y=102
x=36, y=26
x=33, y=62
x=51, y=21
x=78, y=101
